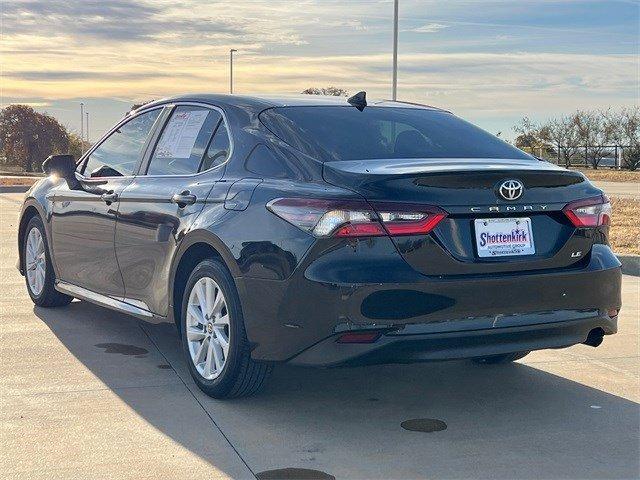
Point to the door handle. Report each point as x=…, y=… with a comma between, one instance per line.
x=183, y=199
x=109, y=197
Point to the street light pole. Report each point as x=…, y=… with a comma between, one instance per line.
x=394, y=92
x=231, y=69
x=87, y=128
x=81, y=127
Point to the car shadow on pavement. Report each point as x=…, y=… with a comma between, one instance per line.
x=508, y=421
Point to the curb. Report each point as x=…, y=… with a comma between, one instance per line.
x=630, y=264
x=22, y=174
x=14, y=188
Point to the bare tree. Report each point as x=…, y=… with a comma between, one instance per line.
x=595, y=133
x=631, y=157
x=613, y=123
x=563, y=134
x=629, y=121
x=333, y=91
x=592, y=133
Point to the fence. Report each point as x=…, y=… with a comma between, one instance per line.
x=610, y=156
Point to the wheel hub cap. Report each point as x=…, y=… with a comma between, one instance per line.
x=207, y=328
x=35, y=261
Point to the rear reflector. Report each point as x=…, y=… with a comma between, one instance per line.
x=591, y=212
x=359, y=337
x=356, y=218
x=408, y=219
x=372, y=229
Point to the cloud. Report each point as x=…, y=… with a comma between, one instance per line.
x=487, y=82
x=37, y=104
x=54, y=50
x=138, y=21
x=60, y=75
x=429, y=28
x=118, y=19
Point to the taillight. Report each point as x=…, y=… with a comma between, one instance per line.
x=326, y=218
x=356, y=218
x=408, y=219
x=591, y=212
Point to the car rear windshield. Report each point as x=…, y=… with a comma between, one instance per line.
x=345, y=133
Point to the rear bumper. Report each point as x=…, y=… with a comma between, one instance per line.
x=409, y=347
x=369, y=286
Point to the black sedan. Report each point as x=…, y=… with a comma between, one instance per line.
x=322, y=232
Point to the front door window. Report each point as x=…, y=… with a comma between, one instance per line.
x=118, y=154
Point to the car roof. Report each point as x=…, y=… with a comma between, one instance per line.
x=262, y=102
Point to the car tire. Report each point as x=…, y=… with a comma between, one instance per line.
x=498, y=359
x=38, y=269
x=206, y=325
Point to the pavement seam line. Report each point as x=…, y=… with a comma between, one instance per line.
x=86, y=390
x=198, y=402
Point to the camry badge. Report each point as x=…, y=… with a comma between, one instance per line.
x=511, y=189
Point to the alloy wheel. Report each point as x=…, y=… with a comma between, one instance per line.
x=35, y=261
x=207, y=328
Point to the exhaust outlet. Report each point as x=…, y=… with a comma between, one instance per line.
x=595, y=337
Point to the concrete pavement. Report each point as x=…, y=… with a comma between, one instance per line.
x=89, y=393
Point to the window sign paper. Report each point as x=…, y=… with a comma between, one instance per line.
x=180, y=134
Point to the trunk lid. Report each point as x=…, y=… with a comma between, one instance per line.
x=468, y=190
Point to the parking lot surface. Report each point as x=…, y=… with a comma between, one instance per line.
x=89, y=393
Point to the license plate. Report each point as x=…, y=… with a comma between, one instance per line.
x=501, y=237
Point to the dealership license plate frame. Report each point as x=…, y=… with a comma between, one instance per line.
x=504, y=226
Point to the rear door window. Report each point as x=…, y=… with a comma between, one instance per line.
x=184, y=141
x=219, y=148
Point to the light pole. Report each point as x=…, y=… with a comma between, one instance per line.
x=394, y=92
x=231, y=69
x=81, y=127
x=88, y=141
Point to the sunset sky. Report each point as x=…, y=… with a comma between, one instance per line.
x=489, y=61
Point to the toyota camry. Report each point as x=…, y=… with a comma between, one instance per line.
x=322, y=232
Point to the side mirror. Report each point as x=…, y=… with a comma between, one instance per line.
x=63, y=166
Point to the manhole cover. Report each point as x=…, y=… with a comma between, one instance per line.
x=424, y=425
x=294, y=474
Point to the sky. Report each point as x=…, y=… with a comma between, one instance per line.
x=488, y=61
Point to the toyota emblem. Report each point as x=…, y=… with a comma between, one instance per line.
x=511, y=189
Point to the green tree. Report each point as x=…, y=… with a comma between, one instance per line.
x=28, y=137
x=531, y=136
x=77, y=146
